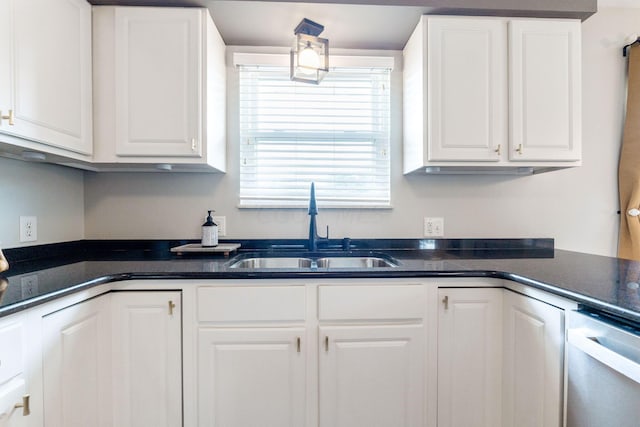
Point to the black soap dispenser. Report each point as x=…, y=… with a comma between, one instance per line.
x=209, y=232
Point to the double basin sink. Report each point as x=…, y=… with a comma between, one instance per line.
x=312, y=262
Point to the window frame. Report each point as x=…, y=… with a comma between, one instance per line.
x=300, y=200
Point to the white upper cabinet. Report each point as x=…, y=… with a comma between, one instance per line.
x=157, y=64
x=45, y=76
x=545, y=88
x=159, y=87
x=467, y=84
x=6, y=103
x=483, y=93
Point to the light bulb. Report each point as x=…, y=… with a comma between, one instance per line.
x=309, y=58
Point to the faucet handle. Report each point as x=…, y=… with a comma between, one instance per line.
x=346, y=244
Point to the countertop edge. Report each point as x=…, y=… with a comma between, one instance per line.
x=493, y=274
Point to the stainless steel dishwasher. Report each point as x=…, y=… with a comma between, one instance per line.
x=603, y=380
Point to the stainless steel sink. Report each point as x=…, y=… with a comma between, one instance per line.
x=273, y=262
x=354, y=262
x=293, y=262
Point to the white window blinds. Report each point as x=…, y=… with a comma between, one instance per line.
x=335, y=134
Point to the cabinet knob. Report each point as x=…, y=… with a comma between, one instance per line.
x=194, y=146
x=498, y=150
x=26, y=410
x=519, y=150
x=445, y=301
x=9, y=117
x=298, y=344
x=172, y=306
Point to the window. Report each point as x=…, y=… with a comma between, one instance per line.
x=335, y=134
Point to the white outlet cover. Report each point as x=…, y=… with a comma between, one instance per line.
x=221, y=222
x=433, y=227
x=28, y=228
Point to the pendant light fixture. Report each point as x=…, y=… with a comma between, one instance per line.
x=310, y=53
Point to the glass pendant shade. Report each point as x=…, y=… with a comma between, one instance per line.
x=309, y=59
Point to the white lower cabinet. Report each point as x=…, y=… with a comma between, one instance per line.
x=533, y=362
x=11, y=394
x=13, y=386
x=75, y=358
x=147, y=359
x=114, y=360
x=469, y=357
x=339, y=355
x=371, y=376
x=500, y=359
x=252, y=377
x=344, y=353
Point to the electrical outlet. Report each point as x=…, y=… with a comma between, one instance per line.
x=29, y=286
x=28, y=228
x=433, y=227
x=221, y=221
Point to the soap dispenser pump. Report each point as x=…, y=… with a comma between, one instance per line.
x=209, y=232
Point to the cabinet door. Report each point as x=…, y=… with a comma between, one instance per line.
x=6, y=103
x=372, y=376
x=158, y=81
x=469, y=357
x=76, y=365
x=467, y=89
x=533, y=362
x=11, y=393
x=13, y=360
x=251, y=377
x=147, y=362
x=51, y=74
x=545, y=87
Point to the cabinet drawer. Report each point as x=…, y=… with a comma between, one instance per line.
x=11, y=358
x=371, y=302
x=11, y=394
x=251, y=304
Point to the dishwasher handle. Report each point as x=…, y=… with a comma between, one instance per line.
x=599, y=352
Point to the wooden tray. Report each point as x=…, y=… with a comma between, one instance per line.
x=197, y=248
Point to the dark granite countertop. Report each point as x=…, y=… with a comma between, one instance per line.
x=42, y=273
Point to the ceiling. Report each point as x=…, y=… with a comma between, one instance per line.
x=346, y=25
x=362, y=24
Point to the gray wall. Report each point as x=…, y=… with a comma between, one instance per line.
x=576, y=206
x=54, y=194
